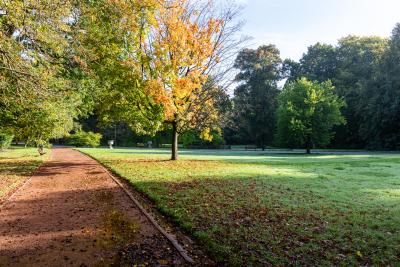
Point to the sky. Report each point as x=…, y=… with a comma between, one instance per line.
x=293, y=25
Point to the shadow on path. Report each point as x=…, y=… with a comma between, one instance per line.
x=71, y=213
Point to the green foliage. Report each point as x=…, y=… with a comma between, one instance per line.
x=82, y=138
x=357, y=70
x=253, y=116
x=41, y=93
x=307, y=113
x=359, y=60
x=381, y=111
x=193, y=139
x=5, y=139
x=218, y=140
x=319, y=63
x=109, y=45
x=189, y=138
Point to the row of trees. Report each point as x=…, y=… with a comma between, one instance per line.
x=159, y=66
x=365, y=72
x=151, y=64
x=41, y=92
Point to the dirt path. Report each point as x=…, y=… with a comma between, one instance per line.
x=71, y=213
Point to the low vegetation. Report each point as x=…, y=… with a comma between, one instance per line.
x=263, y=208
x=82, y=138
x=16, y=165
x=5, y=140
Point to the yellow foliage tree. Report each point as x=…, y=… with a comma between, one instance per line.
x=184, y=48
x=158, y=61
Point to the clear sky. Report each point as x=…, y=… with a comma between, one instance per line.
x=293, y=25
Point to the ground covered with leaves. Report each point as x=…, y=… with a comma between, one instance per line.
x=258, y=208
x=16, y=164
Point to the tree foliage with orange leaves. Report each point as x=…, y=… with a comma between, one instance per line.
x=150, y=63
x=160, y=61
x=189, y=42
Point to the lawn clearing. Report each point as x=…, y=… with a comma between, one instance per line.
x=16, y=164
x=257, y=208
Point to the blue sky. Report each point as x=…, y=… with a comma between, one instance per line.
x=293, y=25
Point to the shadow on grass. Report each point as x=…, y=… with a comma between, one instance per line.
x=247, y=221
x=301, y=217
x=268, y=152
x=257, y=157
x=21, y=168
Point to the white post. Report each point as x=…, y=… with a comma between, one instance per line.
x=110, y=143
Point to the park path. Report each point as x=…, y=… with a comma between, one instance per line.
x=71, y=213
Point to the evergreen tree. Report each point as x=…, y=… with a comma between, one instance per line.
x=381, y=114
x=359, y=61
x=255, y=98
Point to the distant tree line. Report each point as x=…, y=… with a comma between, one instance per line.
x=356, y=83
x=154, y=70
x=365, y=74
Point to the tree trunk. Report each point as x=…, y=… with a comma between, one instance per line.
x=174, y=154
x=308, y=146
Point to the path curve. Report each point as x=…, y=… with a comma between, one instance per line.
x=70, y=213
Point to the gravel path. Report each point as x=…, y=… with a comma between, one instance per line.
x=71, y=213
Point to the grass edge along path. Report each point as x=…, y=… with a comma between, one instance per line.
x=173, y=241
x=17, y=166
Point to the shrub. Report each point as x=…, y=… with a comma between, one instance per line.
x=82, y=138
x=192, y=139
x=218, y=141
x=5, y=140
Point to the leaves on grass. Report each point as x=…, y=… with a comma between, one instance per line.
x=276, y=210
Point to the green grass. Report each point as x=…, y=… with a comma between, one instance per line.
x=16, y=164
x=255, y=208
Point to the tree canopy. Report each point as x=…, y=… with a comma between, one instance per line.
x=307, y=113
x=157, y=66
x=152, y=64
x=364, y=72
x=38, y=97
x=254, y=99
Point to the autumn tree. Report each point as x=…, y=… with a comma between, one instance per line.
x=307, y=113
x=189, y=43
x=160, y=62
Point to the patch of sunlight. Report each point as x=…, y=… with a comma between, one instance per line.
x=385, y=194
x=270, y=172
x=234, y=154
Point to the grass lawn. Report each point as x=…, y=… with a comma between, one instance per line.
x=16, y=164
x=255, y=208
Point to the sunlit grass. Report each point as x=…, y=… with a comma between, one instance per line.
x=257, y=208
x=16, y=164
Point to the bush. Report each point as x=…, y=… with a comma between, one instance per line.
x=218, y=141
x=5, y=140
x=192, y=139
x=83, y=138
